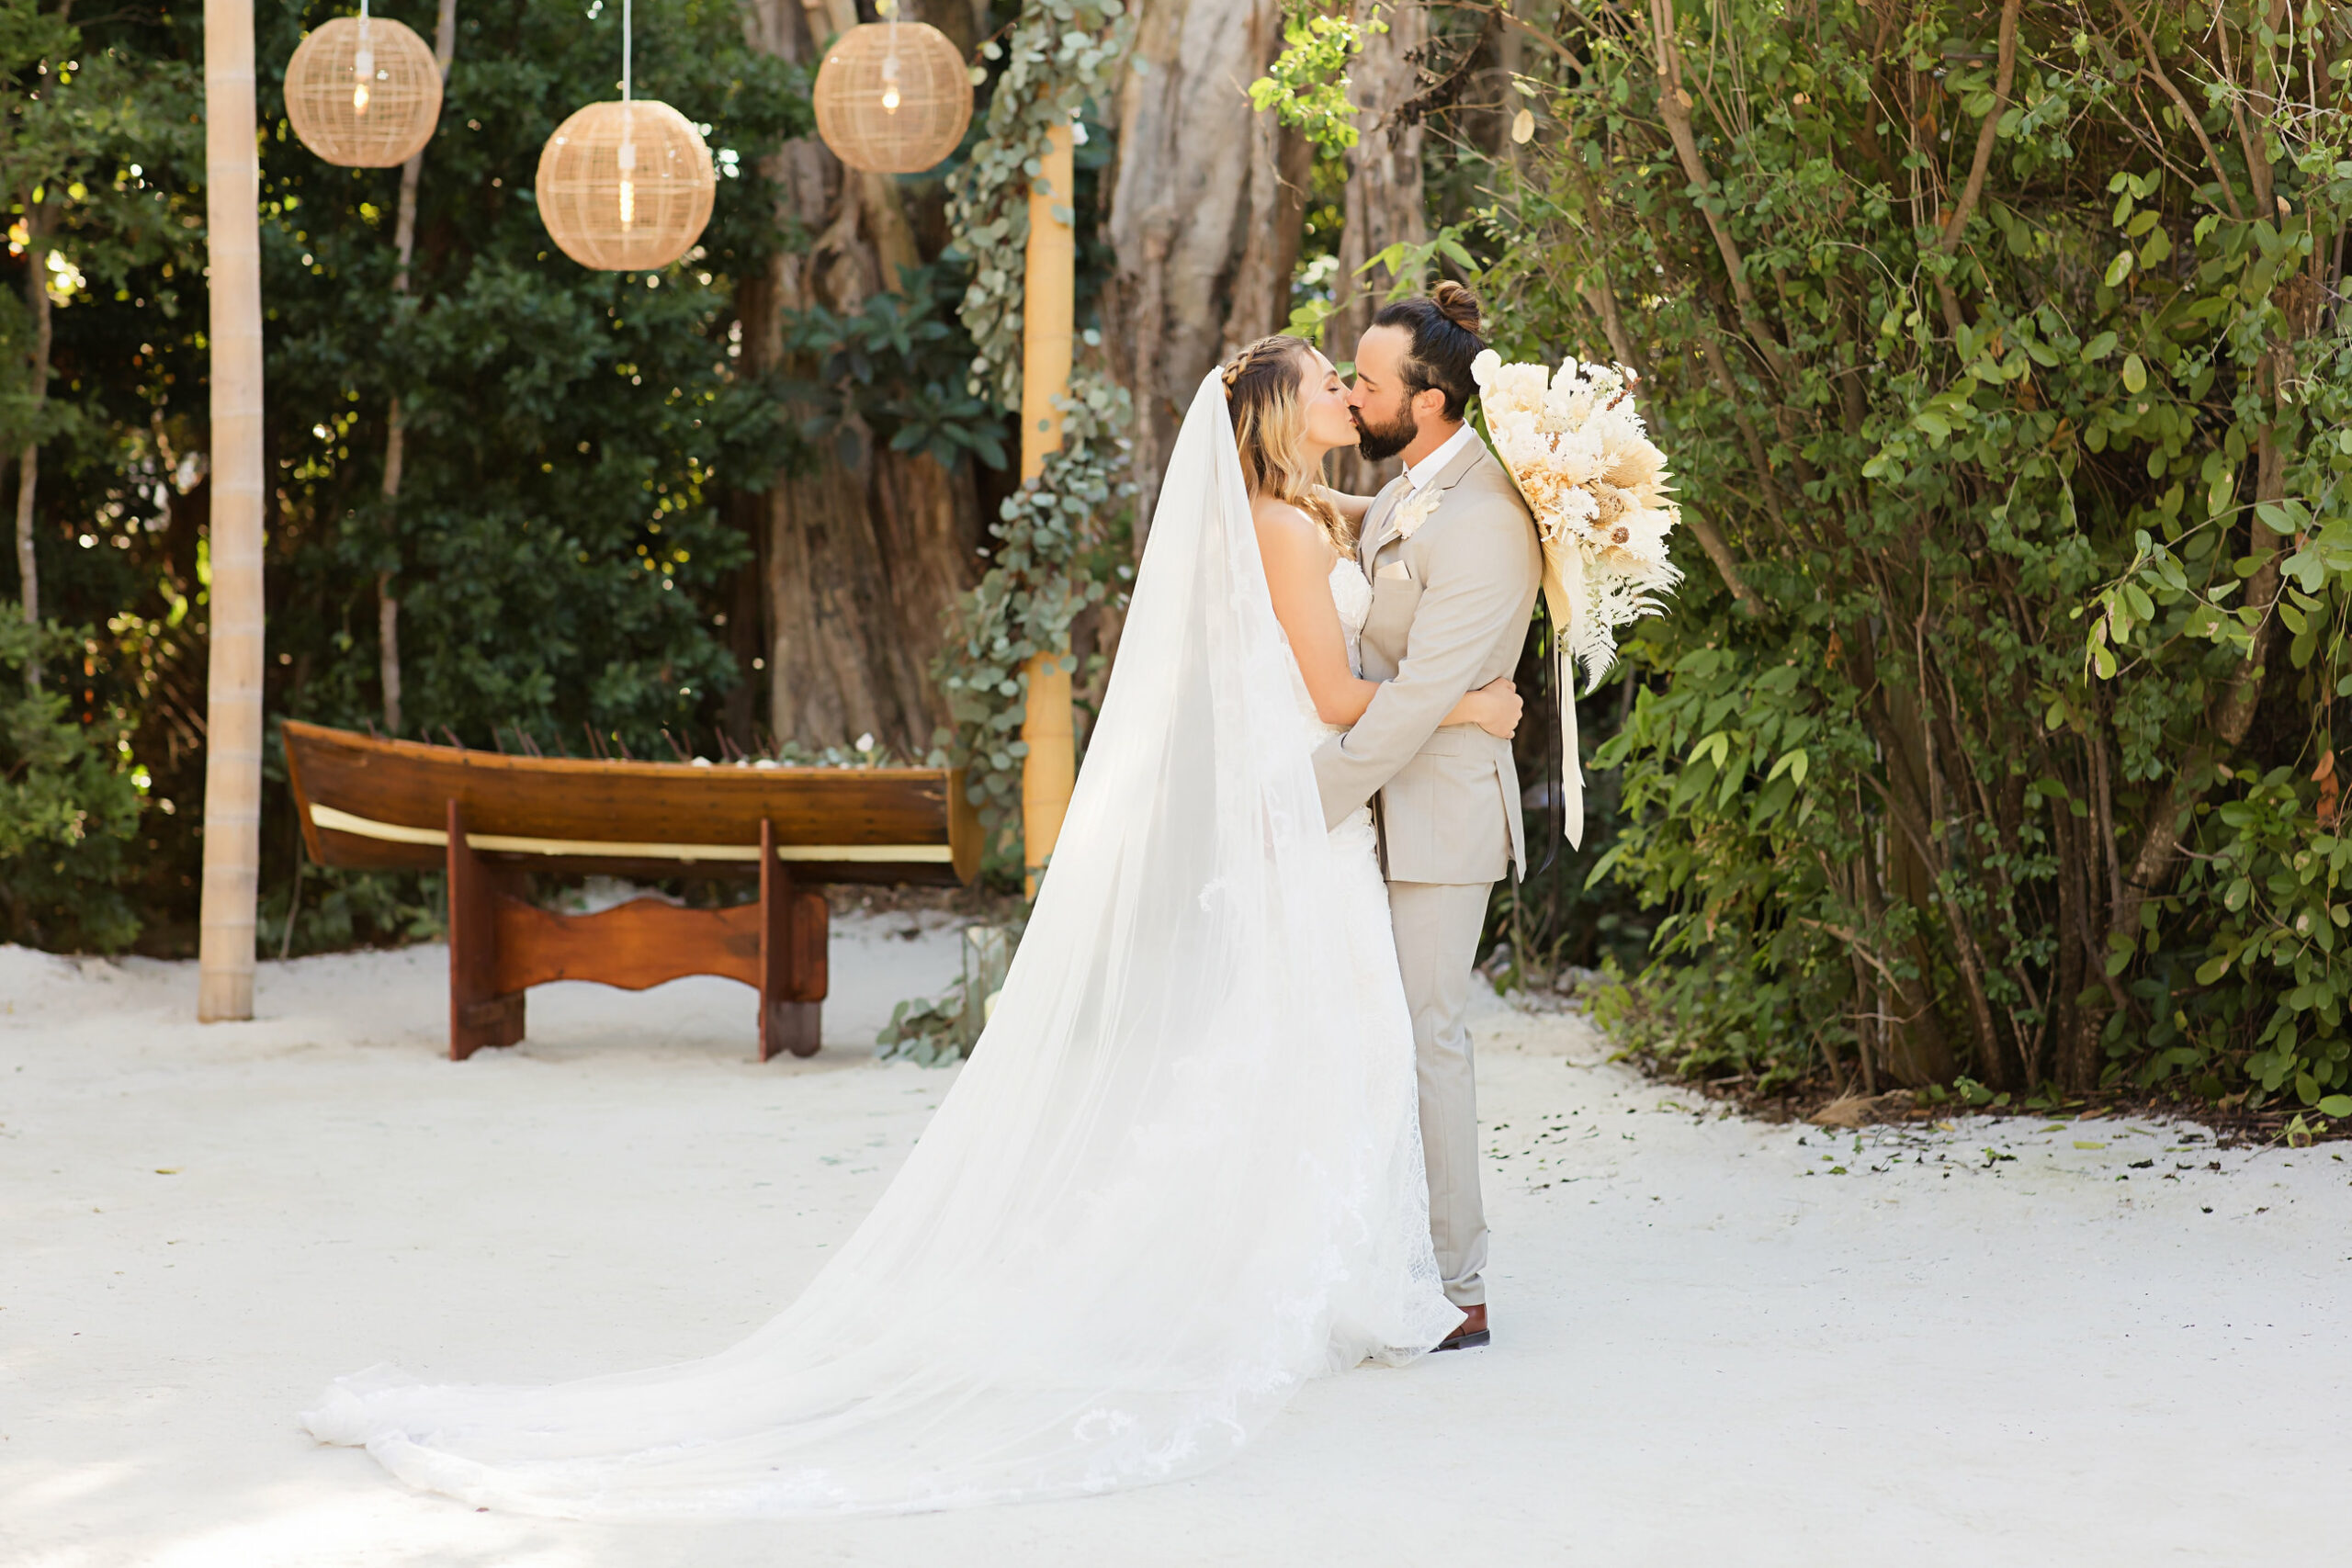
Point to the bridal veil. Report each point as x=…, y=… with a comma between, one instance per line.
x=1179, y=1176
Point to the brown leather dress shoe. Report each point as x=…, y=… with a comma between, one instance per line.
x=1471, y=1334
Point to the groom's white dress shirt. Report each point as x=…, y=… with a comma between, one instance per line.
x=1421, y=474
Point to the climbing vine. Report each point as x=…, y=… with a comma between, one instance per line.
x=1052, y=560
x=1057, y=55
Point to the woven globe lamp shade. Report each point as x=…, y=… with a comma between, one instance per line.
x=893, y=97
x=626, y=187
x=365, y=93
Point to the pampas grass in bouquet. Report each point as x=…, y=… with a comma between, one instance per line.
x=1575, y=445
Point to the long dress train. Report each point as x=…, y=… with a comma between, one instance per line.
x=1180, y=1174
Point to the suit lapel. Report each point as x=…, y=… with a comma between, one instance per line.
x=1464, y=461
x=1375, y=523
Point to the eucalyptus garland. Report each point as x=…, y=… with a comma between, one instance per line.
x=1057, y=54
x=1052, y=559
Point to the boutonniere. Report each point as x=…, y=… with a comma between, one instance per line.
x=1414, y=510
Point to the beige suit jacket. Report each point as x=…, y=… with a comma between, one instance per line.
x=1450, y=610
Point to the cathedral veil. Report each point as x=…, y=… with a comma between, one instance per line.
x=1164, y=1192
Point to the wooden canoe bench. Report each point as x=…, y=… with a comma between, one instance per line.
x=489, y=820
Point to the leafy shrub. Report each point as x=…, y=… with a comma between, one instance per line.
x=68, y=805
x=2001, y=357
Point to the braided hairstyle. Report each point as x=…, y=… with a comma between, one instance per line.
x=1262, y=393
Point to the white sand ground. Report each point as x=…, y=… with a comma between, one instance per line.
x=1992, y=1344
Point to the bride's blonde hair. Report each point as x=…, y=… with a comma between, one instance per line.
x=1262, y=387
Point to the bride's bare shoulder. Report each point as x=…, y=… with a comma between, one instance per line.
x=1288, y=535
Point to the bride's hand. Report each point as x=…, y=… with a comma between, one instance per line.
x=1495, y=707
x=1351, y=507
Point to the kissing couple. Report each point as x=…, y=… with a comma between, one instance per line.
x=1220, y=1134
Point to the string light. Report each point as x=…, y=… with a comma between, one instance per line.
x=625, y=186
x=363, y=91
x=893, y=96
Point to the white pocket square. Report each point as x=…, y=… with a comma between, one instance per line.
x=1395, y=572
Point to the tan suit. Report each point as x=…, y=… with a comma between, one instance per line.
x=1450, y=609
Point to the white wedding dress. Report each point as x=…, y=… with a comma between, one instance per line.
x=1180, y=1175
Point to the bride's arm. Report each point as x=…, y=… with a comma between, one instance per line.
x=1351, y=507
x=1298, y=577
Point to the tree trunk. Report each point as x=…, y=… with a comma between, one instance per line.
x=865, y=549
x=233, y=724
x=29, y=458
x=1384, y=202
x=1204, y=230
x=387, y=605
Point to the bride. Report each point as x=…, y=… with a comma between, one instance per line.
x=1181, y=1173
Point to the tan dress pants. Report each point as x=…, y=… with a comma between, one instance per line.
x=1438, y=926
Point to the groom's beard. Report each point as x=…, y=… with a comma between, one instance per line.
x=1375, y=442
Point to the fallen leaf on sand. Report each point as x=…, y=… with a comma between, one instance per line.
x=1848, y=1111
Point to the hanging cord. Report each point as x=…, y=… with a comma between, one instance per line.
x=363, y=66
x=625, y=157
x=1555, y=793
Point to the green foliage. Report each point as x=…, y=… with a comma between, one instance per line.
x=334, y=910
x=67, y=810
x=1306, y=86
x=571, y=521
x=926, y=1031
x=1056, y=553
x=892, y=369
x=2003, y=754
x=1057, y=56
x=78, y=111
x=569, y=434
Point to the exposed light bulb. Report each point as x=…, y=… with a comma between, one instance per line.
x=364, y=67
x=359, y=99
x=628, y=161
x=891, y=84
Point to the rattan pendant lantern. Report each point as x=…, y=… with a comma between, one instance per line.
x=625, y=186
x=364, y=92
x=893, y=97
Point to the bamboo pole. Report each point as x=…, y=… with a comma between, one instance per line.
x=234, y=725
x=1050, y=770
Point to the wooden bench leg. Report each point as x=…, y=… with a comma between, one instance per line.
x=480, y=1014
x=793, y=923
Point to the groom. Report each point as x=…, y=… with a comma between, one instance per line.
x=1454, y=564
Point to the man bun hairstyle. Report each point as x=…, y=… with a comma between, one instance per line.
x=1443, y=325
x=1457, y=304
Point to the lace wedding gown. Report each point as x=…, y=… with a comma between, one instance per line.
x=1180, y=1175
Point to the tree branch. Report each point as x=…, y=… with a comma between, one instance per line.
x=1726, y=567
x=2148, y=43
x=2257, y=167
x=2227, y=721
x=1989, y=132
x=1747, y=433
x=1675, y=105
